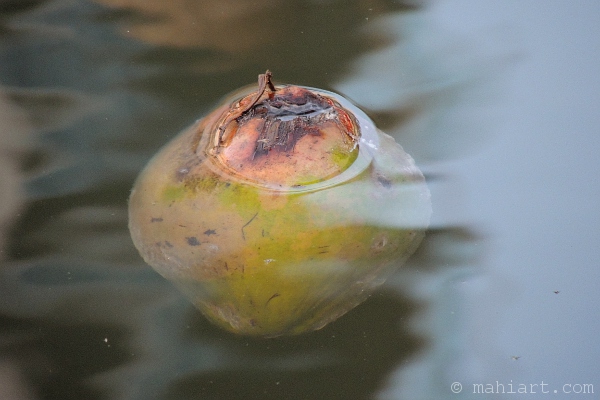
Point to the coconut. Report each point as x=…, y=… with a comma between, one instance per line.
x=280, y=211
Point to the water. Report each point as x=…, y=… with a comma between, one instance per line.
x=500, y=119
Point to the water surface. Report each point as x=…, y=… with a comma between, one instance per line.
x=90, y=90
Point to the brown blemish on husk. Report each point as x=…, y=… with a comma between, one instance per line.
x=192, y=241
x=248, y=223
x=272, y=297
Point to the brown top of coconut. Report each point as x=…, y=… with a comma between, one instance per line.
x=285, y=136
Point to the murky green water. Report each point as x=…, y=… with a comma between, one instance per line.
x=90, y=90
x=101, y=86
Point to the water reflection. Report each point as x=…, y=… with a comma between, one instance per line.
x=103, y=85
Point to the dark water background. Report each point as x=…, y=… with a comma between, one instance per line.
x=496, y=102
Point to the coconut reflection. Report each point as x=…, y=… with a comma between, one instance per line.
x=81, y=315
x=229, y=26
